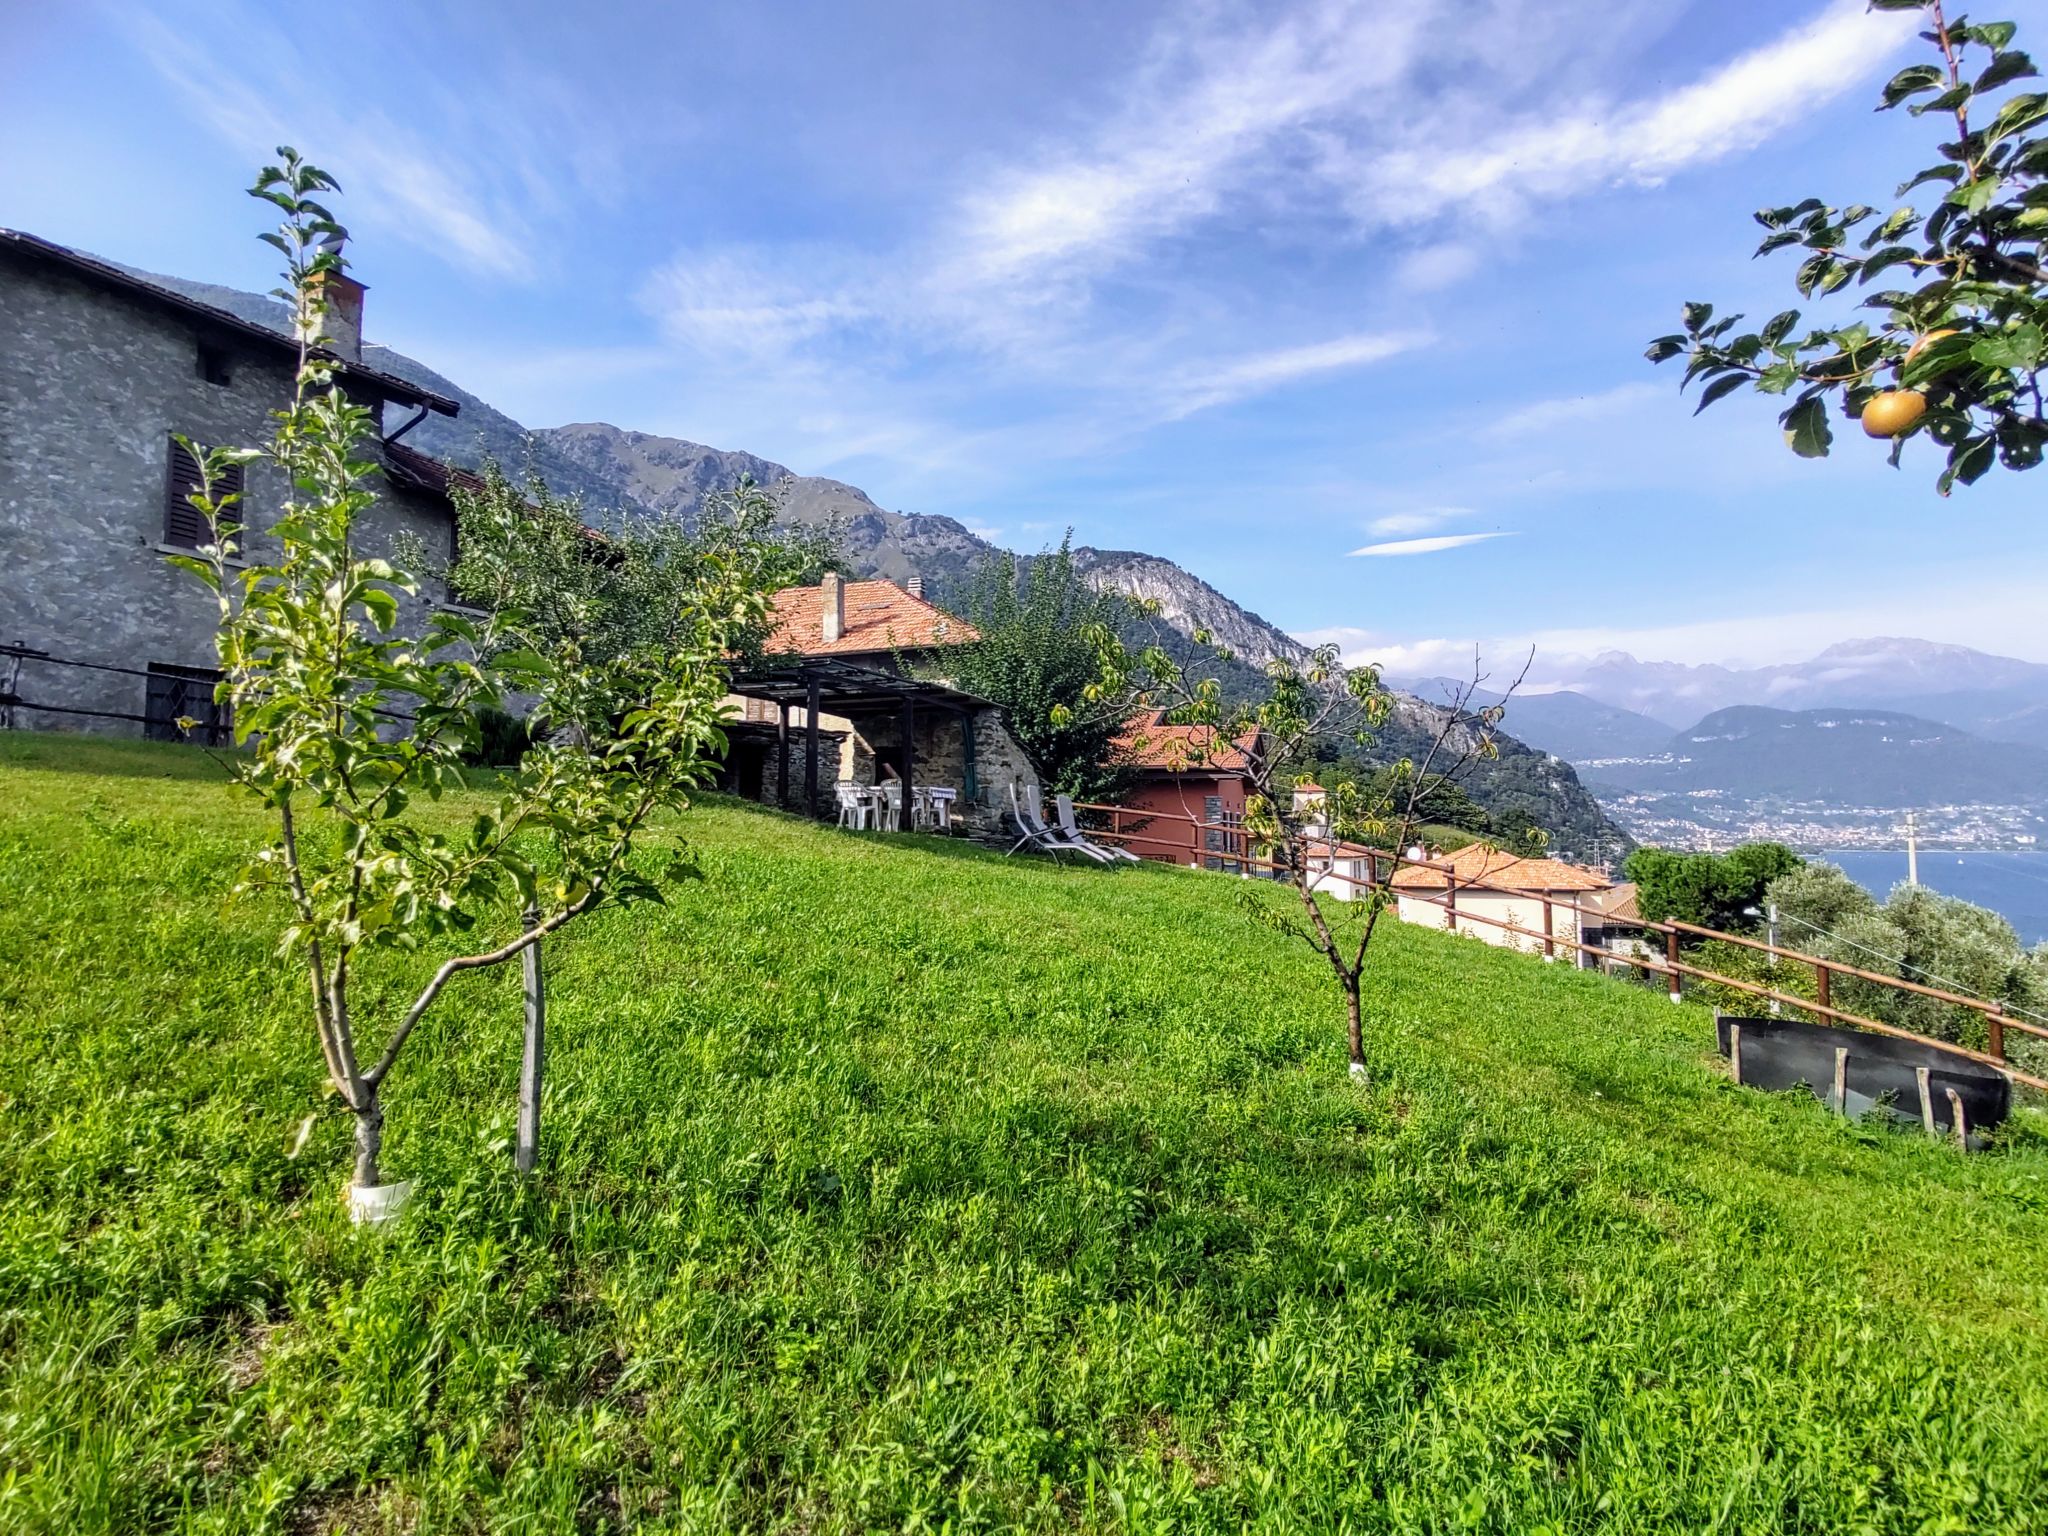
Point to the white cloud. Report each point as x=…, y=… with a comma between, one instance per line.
x=1435, y=267
x=472, y=176
x=2001, y=617
x=1501, y=166
x=1544, y=416
x=1416, y=522
x=1220, y=383
x=1429, y=546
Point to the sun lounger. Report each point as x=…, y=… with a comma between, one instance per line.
x=1064, y=807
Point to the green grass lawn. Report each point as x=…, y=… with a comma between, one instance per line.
x=896, y=1186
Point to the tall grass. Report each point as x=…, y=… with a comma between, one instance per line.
x=888, y=1185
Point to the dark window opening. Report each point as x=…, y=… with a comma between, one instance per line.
x=184, y=524
x=176, y=695
x=214, y=366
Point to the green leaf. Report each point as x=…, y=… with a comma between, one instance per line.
x=2005, y=69
x=1779, y=326
x=1664, y=348
x=1695, y=316
x=1910, y=81
x=1877, y=261
x=1936, y=359
x=1971, y=458
x=1806, y=428
x=381, y=606
x=2018, y=348
x=1776, y=379
x=1720, y=389
x=1948, y=173
x=1976, y=196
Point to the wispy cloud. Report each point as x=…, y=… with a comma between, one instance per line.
x=1429, y=546
x=1220, y=383
x=1544, y=416
x=471, y=177
x=1417, y=521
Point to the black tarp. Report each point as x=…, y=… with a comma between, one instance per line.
x=1779, y=1054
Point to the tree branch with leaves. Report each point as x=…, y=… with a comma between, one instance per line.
x=1271, y=741
x=348, y=719
x=1957, y=356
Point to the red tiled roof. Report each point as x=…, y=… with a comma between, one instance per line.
x=1491, y=869
x=880, y=616
x=1150, y=744
x=409, y=467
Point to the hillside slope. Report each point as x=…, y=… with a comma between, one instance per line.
x=888, y=1184
x=622, y=474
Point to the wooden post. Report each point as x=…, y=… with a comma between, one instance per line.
x=1996, y=1026
x=1923, y=1075
x=1450, y=904
x=1841, y=1080
x=905, y=821
x=1955, y=1121
x=1549, y=932
x=532, y=1057
x=782, y=755
x=1735, y=1051
x=811, y=747
x=1820, y=988
x=1671, y=959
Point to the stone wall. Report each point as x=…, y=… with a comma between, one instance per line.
x=92, y=385
x=941, y=758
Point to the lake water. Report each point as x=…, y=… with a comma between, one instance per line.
x=2014, y=885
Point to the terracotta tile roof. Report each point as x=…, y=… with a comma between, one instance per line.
x=409, y=467
x=1489, y=868
x=1148, y=743
x=880, y=616
x=1620, y=905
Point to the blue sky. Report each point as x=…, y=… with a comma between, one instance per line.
x=1252, y=287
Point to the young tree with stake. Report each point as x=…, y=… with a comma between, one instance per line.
x=346, y=718
x=1317, y=704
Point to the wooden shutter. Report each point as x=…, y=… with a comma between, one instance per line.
x=184, y=524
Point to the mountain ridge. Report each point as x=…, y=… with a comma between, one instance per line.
x=622, y=474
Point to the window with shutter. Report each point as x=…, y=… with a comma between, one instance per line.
x=185, y=524
x=176, y=694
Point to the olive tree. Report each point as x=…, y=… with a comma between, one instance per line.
x=1307, y=708
x=1953, y=350
x=350, y=718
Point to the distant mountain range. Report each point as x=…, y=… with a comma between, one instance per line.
x=622, y=475
x=1848, y=756
x=1999, y=698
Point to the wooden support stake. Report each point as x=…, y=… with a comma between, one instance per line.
x=1841, y=1080
x=1925, y=1076
x=1671, y=959
x=1735, y=1051
x=1996, y=1045
x=1820, y=985
x=532, y=1057
x=1955, y=1121
x=1549, y=932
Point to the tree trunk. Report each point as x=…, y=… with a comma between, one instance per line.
x=369, y=1142
x=1357, y=1023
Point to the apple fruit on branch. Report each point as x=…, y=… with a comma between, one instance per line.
x=1957, y=356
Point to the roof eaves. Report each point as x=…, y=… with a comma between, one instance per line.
x=111, y=276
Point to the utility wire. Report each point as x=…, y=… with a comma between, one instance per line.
x=1920, y=971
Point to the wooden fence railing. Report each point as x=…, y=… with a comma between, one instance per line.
x=1671, y=964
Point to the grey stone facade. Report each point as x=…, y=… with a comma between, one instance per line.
x=93, y=383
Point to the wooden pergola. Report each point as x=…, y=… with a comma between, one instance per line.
x=846, y=688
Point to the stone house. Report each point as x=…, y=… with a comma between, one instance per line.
x=864, y=662
x=98, y=370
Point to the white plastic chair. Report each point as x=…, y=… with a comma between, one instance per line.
x=890, y=799
x=853, y=808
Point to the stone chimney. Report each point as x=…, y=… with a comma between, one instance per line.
x=915, y=587
x=343, y=322
x=834, y=588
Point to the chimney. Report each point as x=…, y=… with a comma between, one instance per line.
x=834, y=588
x=915, y=587
x=343, y=322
